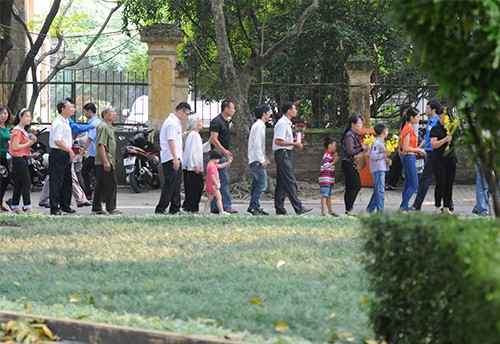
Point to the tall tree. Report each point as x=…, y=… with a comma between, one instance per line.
x=231, y=36
x=6, y=43
x=459, y=43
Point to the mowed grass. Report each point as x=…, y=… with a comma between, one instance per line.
x=273, y=279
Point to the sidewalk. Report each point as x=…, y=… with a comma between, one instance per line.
x=145, y=202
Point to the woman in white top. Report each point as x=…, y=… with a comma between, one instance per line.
x=192, y=160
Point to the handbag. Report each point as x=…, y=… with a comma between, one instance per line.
x=360, y=161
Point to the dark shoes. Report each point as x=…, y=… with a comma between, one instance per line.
x=389, y=187
x=257, y=211
x=303, y=211
x=69, y=210
x=85, y=204
x=100, y=212
x=229, y=211
x=44, y=205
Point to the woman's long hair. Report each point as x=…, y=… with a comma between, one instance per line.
x=412, y=112
x=352, y=120
x=17, y=119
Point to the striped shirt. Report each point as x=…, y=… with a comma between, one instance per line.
x=327, y=173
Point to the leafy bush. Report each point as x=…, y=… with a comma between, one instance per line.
x=435, y=280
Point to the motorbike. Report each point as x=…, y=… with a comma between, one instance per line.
x=141, y=161
x=38, y=164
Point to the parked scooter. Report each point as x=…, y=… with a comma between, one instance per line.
x=141, y=162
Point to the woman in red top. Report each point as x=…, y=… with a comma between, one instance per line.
x=19, y=149
x=409, y=144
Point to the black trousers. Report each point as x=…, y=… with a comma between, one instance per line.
x=171, y=191
x=88, y=167
x=193, y=189
x=352, y=184
x=22, y=179
x=444, y=172
x=60, y=180
x=425, y=180
x=105, y=185
x=286, y=184
x=395, y=171
x=4, y=182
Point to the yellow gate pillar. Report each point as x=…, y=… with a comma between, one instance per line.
x=162, y=40
x=359, y=69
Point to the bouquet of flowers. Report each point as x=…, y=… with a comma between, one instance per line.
x=369, y=140
x=392, y=144
x=451, y=126
x=299, y=129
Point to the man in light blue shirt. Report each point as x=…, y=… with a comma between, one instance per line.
x=88, y=166
x=432, y=109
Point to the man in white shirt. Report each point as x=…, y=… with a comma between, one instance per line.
x=60, y=159
x=283, y=143
x=171, y=160
x=257, y=158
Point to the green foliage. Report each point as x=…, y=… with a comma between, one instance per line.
x=434, y=280
x=166, y=272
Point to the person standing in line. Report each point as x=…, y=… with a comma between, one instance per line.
x=257, y=158
x=396, y=166
x=105, y=164
x=286, y=183
x=220, y=138
x=409, y=149
x=351, y=146
x=432, y=109
x=4, y=147
x=60, y=160
x=213, y=182
x=327, y=176
x=192, y=160
x=171, y=160
x=445, y=166
x=378, y=168
x=90, y=112
x=20, y=150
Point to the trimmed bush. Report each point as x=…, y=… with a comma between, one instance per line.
x=434, y=279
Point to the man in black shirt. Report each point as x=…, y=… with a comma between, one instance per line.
x=220, y=138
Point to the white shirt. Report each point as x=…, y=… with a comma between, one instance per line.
x=193, y=151
x=257, y=143
x=60, y=131
x=171, y=130
x=283, y=131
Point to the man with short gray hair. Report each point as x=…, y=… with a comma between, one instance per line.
x=105, y=165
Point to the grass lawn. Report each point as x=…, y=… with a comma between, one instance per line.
x=275, y=279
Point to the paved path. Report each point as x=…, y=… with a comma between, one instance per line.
x=145, y=202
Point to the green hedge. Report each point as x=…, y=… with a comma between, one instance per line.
x=434, y=279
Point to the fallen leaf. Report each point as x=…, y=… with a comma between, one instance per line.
x=281, y=326
x=280, y=263
x=74, y=298
x=347, y=336
x=363, y=300
x=333, y=315
x=27, y=306
x=255, y=301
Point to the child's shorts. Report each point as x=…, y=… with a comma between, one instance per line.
x=325, y=190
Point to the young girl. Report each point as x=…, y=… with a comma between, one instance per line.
x=19, y=149
x=4, y=146
x=327, y=176
x=213, y=181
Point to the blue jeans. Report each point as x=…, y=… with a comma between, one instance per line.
x=409, y=162
x=224, y=188
x=482, y=192
x=377, y=199
x=259, y=184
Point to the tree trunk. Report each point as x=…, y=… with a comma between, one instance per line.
x=237, y=88
x=30, y=57
x=5, y=21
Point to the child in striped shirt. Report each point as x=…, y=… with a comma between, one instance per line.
x=327, y=176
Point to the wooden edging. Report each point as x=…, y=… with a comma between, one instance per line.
x=98, y=333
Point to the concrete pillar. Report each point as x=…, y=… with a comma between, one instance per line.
x=162, y=40
x=359, y=69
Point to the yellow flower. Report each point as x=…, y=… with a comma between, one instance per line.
x=369, y=140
